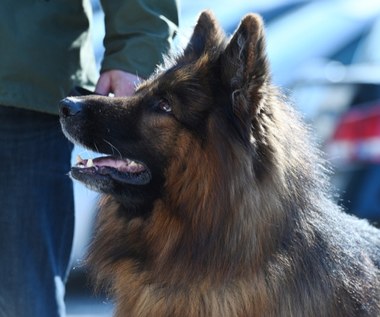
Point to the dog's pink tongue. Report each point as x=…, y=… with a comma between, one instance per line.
x=122, y=165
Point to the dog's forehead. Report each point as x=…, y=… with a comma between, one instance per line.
x=168, y=80
x=177, y=77
x=180, y=74
x=185, y=73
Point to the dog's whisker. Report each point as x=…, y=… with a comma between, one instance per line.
x=113, y=148
x=96, y=147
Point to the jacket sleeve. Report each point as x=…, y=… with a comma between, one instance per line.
x=138, y=32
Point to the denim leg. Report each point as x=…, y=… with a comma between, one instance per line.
x=36, y=214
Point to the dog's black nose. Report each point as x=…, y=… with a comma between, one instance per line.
x=70, y=107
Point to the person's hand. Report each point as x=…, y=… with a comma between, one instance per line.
x=118, y=82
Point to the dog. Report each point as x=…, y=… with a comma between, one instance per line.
x=214, y=201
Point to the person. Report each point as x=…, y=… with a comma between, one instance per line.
x=45, y=51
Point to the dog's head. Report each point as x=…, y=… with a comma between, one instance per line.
x=215, y=79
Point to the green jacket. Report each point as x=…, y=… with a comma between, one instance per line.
x=46, y=49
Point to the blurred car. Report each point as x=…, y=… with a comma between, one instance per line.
x=354, y=149
x=345, y=115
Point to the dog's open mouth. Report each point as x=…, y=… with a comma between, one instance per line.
x=121, y=170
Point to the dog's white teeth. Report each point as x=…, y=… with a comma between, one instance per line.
x=134, y=167
x=132, y=164
x=90, y=163
x=79, y=159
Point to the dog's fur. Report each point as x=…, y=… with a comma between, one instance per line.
x=233, y=217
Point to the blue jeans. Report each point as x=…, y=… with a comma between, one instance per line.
x=36, y=214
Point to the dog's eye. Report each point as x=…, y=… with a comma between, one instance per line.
x=164, y=106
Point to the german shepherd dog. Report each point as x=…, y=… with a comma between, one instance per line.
x=214, y=202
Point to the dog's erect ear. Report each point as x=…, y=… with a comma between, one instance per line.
x=244, y=65
x=207, y=35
